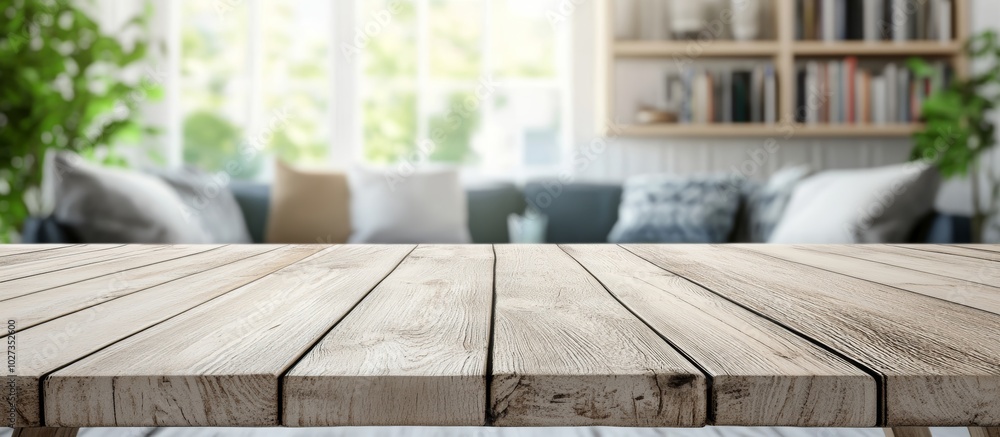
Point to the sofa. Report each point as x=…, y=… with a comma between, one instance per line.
x=577, y=213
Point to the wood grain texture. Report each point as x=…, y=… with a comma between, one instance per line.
x=33, y=252
x=984, y=432
x=962, y=292
x=219, y=364
x=981, y=252
x=986, y=247
x=939, y=362
x=969, y=269
x=413, y=353
x=566, y=353
x=762, y=375
x=46, y=264
x=46, y=432
x=55, y=344
x=35, y=308
x=109, y=265
x=912, y=431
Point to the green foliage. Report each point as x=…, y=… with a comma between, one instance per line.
x=61, y=88
x=958, y=128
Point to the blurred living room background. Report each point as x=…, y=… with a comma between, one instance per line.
x=495, y=121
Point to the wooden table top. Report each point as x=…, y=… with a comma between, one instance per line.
x=664, y=336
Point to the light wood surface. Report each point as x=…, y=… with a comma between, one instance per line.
x=413, y=353
x=67, y=339
x=737, y=349
x=540, y=335
x=105, y=265
x=50, y=303
x=939, y=362
x=566, y=353
x=913, y=431
x=219, y=364
x=959, y=291
x=39, y=252
x=968, y=269
x=981, y=252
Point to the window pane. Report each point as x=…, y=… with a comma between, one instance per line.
x=529, y=122
x=524, y=41
x=214, y=79
x=295, y=79
x=456, y=38
x=453, y=122
x=386, y=37
x=390, y=123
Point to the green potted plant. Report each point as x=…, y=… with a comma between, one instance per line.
x=958, y=129
x=64, y=87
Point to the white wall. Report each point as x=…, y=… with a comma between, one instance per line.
x=629, y=156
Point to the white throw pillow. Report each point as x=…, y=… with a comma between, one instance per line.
x=878, y=205
x=420, y=207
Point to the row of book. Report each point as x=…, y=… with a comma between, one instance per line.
x=874, y=20
x=841, y=92
x=724, y=95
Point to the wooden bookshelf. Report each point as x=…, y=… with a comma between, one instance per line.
x=757, y=130
x=784, y=51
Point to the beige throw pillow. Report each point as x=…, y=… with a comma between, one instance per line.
x=308, y=207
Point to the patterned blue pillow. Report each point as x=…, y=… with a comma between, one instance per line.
x=669, y=209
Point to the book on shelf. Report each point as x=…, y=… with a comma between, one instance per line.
x=845, y=92
x=874, y=20
x=724, y=95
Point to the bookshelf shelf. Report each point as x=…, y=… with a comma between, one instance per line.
x=752, y=130
x=864, y=48
x=724, y=49
x=787, y=55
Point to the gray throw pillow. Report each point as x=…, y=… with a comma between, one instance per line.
x=668, y=209
x=765, y=204
x=208, y=201
x=107, y=205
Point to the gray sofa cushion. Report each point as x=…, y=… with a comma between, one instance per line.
x=489, y=206
x=670, y=209
x=109, y=205
x=254, y=199
x=577, y=212
x=208, y=202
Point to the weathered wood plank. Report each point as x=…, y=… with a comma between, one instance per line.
x=219, y=364
x=46, y=432
x=413, y=353
x=940, y=362
x=566, y=353
x=35, y=308
x=30, y=253
x=47, y=265
x=969, y=269
x=15, y=249
x=50, y=346
x=107, y=268
x=912, y=431
x=953, y=250
x=762, y=374
x=986, y=247
x=959, y=291
x=984, y=432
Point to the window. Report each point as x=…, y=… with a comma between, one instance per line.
x=255, y=81
x=479, y=83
